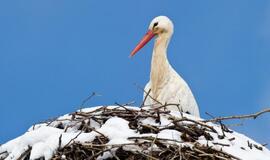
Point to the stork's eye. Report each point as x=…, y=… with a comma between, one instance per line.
x=155, y=24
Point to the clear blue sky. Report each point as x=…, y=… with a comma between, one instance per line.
x=54, y=53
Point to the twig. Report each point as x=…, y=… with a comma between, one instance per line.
x=221, y=144
x=60, y=141
x=264, y=144
x=139, y=87
x=24, y=154
x=254, y=116
x=93, y=129
x=149, y=138
x=123, y=106
x=152, y=144
x=5, y=152
x=152, y=158
x=147, y=94
x=88, y=98
x=73, y=138
x=197, y=122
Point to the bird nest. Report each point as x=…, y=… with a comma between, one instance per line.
x=142, y=147
x=122, y=132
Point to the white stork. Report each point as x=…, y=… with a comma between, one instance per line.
x=166, y=85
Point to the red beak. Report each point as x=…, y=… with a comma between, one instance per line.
x=147, y=37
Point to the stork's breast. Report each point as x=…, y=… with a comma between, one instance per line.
x=173, y=90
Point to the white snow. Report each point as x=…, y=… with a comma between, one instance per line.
x=45, y=139
x=117, y=130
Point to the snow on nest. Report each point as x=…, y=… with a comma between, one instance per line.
x=50, y=139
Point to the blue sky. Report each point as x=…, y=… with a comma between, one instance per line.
x=53, y=54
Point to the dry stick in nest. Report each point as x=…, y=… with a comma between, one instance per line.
x=196, y=122
x=254, y=116
x=124, y=106
x=147, y=94
x=198, y=147
x=158, y=102
x=3, y=153
x=96, y=110
x=223, y=127
x=60, y=141
x=86, y=116
x=168, y=104
x=111, y=146
x=139, y=87
x=79, y=134
x=155, y=139
x=88, y=98
x=73, y=138
x=149, y=156
x=25, y=154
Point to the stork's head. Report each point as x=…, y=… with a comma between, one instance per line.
x=160, y=26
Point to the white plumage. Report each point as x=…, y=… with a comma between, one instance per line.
x=166, y=85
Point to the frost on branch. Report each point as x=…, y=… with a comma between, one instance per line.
x=123, y=132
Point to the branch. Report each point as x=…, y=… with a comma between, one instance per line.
x=147, y=94
x=139, y=87
x=73, y=139
x=89, y=97
x=254, y=116
x=25, y=153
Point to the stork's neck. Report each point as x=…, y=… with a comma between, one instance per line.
x=159, y=58
x=160, y=67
